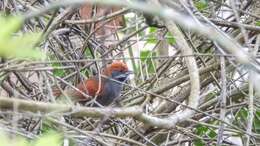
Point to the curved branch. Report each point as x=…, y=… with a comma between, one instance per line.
x=193, y=70
x=79, y=111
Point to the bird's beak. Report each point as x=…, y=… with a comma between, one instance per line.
x=129, y=72
x=124, y=75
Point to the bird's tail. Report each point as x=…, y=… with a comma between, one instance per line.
x=68, y=95
x=56, y=91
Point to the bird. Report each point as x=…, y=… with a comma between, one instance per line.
x=105, y=89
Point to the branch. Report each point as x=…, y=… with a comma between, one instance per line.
x=79, y=111
x=75, y=111
x=186, y=22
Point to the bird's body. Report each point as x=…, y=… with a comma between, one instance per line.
x=106, y=88
x=111, y=92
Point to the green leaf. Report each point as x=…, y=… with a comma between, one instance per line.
x=256, y=122
x=146, y=54
x=242, y=114
x=9, y=25
x=6, y=141
x=198, y=142
x=151, y=40
x=146, y=58
x=201, y=130
x=212, y=134
x=257, y=113
x=151, y=37
x=19, y=46
x=170, y=39
x=58, y=72
x=85, y=72
x=49, y=139
x=257, y=23
x=21, y=142
x=257, y=125
x=152, y=29
x=22, y=46
x=201, y=5
x=87, y=53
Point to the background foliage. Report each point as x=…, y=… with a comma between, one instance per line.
x=55, y=49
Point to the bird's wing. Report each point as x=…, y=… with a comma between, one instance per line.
x=92, y=86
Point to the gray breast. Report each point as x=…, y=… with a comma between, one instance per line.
x=112, y=91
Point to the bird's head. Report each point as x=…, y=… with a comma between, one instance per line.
x=117, y=71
